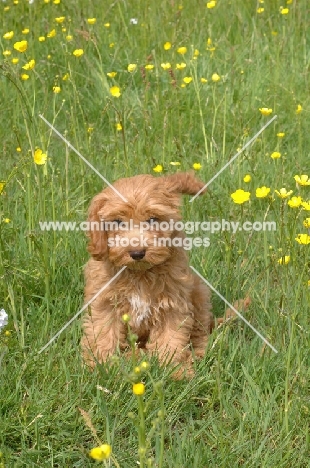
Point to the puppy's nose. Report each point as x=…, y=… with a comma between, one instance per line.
x=137, y=254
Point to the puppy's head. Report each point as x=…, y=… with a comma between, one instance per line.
x=138, y=234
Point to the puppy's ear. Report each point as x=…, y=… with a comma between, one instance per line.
x=97, y=246
x=183, y=182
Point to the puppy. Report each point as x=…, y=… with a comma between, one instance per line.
x=168, y=305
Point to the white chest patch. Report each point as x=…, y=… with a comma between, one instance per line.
x=141, y=309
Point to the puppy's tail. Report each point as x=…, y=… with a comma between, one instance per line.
x=183, y=182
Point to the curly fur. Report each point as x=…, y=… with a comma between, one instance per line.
x=168, y=305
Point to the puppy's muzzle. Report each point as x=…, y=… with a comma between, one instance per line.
x=137, y=254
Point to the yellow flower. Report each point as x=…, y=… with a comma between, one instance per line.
x=247, y=178
x=15, y=61
x=175, y=163
x=215, y=77
x=182, y=50
x=7, y=53
x=138, y=389
x=25, y=31
x=149, y=66
x=196, y=53
x=18, y=149
x=158, y=168
x=41, y=38
x=52, y=33
x=6, y=220
x=69, y=37
x=197, y=166
x=101, y=453
x=299, y=109
x=106, y=25
x=115, y=91
x=112, y=44
x=66, y=77
x=78, y=52
x=260, y=10
x=303, y=239
x=180, y=66
x=8, y=35
x=118, y=126
x=165, y=66
x=6, y=8
x=56, y=89
x=183, y=85
x=240, y=196
x=145, y=365
x=275, y=155
x=284, y=260
x=30, y=65
x=262, y=192
x=131, y=67
x=64, y=29
x=39, y=157
x=24, y=77
x=60, y=19
x=187, y=79
x=280, y=134
x=306, y=205
x=111, y=74
x=167, y=45
x=203, y=80
x=126, y=318
x=306, y=223
x=91, y=20
x=284, y=11
x=211, y=4
x=265, y=111
x=302, y=179
x=56, y=2
x=283, y=193
x=295, y=202
x=21, y=46
x=2, y=185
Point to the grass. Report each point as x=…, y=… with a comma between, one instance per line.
x=246, y=406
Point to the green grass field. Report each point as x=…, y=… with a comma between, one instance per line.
x=247, y=406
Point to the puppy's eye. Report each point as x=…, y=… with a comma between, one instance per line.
x=152, y=220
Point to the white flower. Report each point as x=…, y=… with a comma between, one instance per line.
x=133, y=21
x=3, y=318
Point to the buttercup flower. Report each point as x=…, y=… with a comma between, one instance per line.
x=78, y=52
x=306, y=223
x=149, y=66
x=7, y=53
x=283, y=193
x=182, y=50
x=187, y=79
x=211, y=4
x=112, y=74
x=295, y=202
x=240, y=196
x=138, y=389
x=247, y=178
x=8, y=35
x=197, y=166
x=118, y=126
x=215, y=77
x=91, y=20
x=39, y=157
x=299, y=109
x=306, y=205
x=262, y=192
x=41, y=38
x=15, y=61
x=66, y=77
x=260, y=10
x=203, y=80
x=303, y=239
x=265, y=111
x=115, y=91
x=61, y=19
x=284, y=11
x=52, y=33
x=25, y=31
x=158, y=168
x=21, y=46
x=284, y=260
x=165, y=66
x=25, y=77
x=275, y=155
x=30, y=65
x=3, y=318
x=106, y=25
x=180, y=66
x=302, y=180
x=196, y=53
x=56, y=89
x=131, y=67
x=280, y=134
x=167, y=45
x=101, y=453
x=69, y=37
x=175, y=163
x=2, y=185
